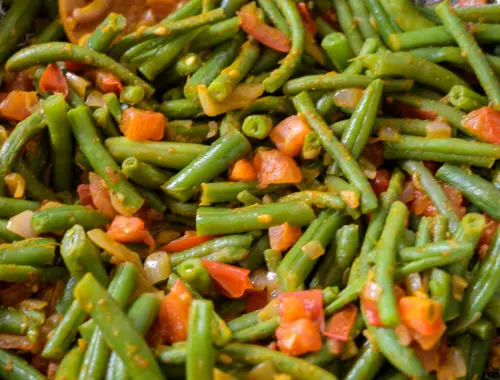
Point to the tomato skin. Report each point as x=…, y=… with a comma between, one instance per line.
x=54, y=81
x=143, y=125
x=289, y=135
x=274, y=167
x=243, y=171
x=312, y=302
x=174, y=313
x=283, y=236
x=232, y=280
x=265, y=34
x=381, y=181
x=340, y=325
x=307, y=19
x=17, y=105
x=100, y=195
x=298, y=337
x=130, y=229
x=84, y=195
x=484, y=123
x=471, y=3
x=189, y=240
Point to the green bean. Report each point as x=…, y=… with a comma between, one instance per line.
x=393, y=153
x=143, y=174
x=338, y=49
x=217, y=159
x=482, y=328
x=190, y=132
x=382, y=19
x=97, y=353
x=478, y=357
x=183, y=67
x=209, y=247
x=431, y=250
x=52, y=32
x=311, y=148
x=423, y=232
x=36, y=252
x=297, y=264
x=102, y=162
x=324, y=28
x=117, y=330
x=5, y=234
x=34, y=187
x=165, y=55
x=215, y=221
x=10, y=149
x=70, y=365
x=15, y=368
x=180, y=109
x=289, y=64
x=63, y=51
x=221, y=57
x=406, y=15
x=339, y=256
x=216, y=34
x=12, y=321
x=316, y=198
x=355, y=136
x=259, y=331
x=106, y=32
x=466, y=99
x=113, y=106
x=440, y=287
x=104, y=121
x=473, y=52
x=274, y=14
x=409, y=66
x=15, y=24
x=80, y=255
x=330, y=81
x=332, y=146
x=142, y=314
x=268, y=60
x=348, y=25
x=257, y=126
x=477, y=190
x=162, y=154
x=10, y=207
x=222, y=86
x=63, y=217
x=195, y=274
x=55, y=109
x=255, y=257
x=200, y=358
x=414, y=127
x=433, y=191
x=132, y=95
x=298, y=368
x=346, y=191
x=367, y=364
x=27, y=273
x=268, y=104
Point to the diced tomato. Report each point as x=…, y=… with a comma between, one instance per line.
x=487, y=235
x=107, y=82
x=174, y=313
x=381, y=181
x=340, y=325
x=298, y=337
x=312, y=301
x=484, y=123
x=189, y=240
x=292, y=309
x=75, y=67
x=471, y=3
x=142, y=125
x=374, y=153
x=100, y=196
x=307, y=19
x=243, y=171
x=84, y=195
x=162, y=8
x=265, y=34
x=275, y=167
x=369, y=302
x=256, y=300
x=54, y=81
x=234, y=281
x=429, y=358
x=130, y=229
x=283, y=236
x=423, y=316
x=22, y=81
x=289, y=135
x=17, y=105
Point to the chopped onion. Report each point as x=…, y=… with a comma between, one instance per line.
x=3, y=135
x=157, y=267
x=15, y=184
x=389, y=134
x=213, y=129
x=15, y=342
x=456, y=360
x=437, y=130
x=242, y=96
x=348, y=97
x=259, y=279
x=165, y=237
x=117, y=202
x=369, y=170
x=413, y=284
x=273, y=284
x=119, y=252
x=458, y=285
x=262, y=371
x=371, y=291
x=95, y=99
x=407, y=195
x=77, y=83
x=350, y=198
x=50, y=204
x=404, y=334
x=20, y=224
x=313, y=249
x=33, y=304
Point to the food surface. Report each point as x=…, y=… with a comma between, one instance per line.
x=233, y=189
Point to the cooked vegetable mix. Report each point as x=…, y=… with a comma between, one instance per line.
x=246, y=189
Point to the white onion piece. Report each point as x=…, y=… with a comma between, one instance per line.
x=456, y=360
x=119, y=252
x=437, y=130
x=313, y=249
x=77, y=83
x=157, y=267
x=95, y=99
x=20, y=224
x=389, y=134
x=259, y=279
x=348, y=97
